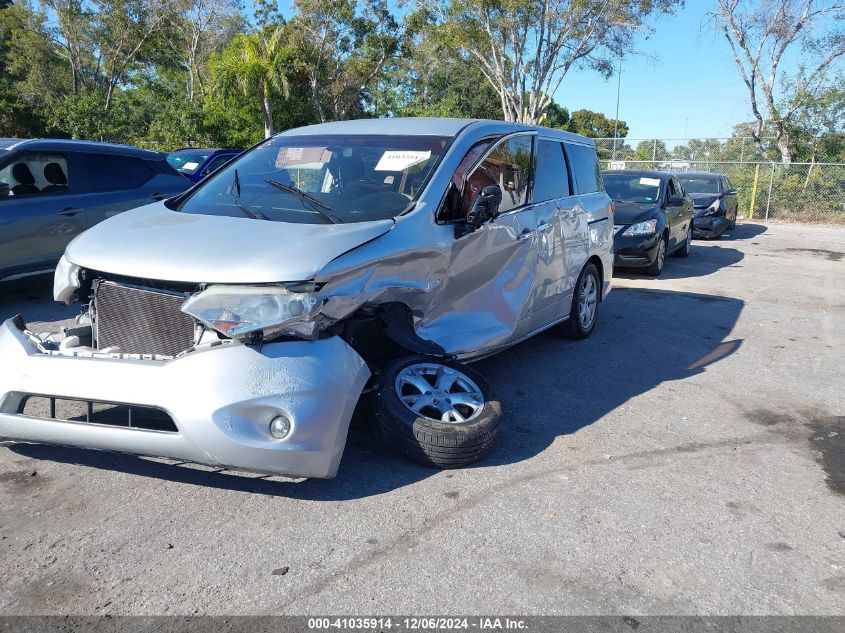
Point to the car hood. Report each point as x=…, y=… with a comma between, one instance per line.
x=153, y=242
x=633, y=212
x=701, y=200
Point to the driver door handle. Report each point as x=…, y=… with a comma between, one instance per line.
x=526, y=233
x=69, y=211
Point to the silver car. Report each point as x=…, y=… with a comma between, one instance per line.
x=238, y=324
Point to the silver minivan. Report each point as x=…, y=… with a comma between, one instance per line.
x=239, y=323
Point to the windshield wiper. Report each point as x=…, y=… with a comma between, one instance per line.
x=255, y=215
x=319, y=207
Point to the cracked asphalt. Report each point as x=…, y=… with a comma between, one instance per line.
x=689, y=458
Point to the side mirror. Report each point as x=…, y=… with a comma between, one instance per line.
x=730, y=192
x=485, y=207
x=4, y=189
x=676, y=201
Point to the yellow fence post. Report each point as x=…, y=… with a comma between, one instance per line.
x=754, y=192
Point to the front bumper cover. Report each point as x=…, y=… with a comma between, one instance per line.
x=704, y=226
x=634, y=251
x=221, y=400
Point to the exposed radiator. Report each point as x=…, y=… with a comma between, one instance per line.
x=141, y=321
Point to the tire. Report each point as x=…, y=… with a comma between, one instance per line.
x=585, y=303
x=659, y=261
x=684, y=250
x=418, y=435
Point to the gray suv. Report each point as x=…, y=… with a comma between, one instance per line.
x=52, y=190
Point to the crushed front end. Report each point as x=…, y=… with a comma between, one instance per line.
x=140, y=375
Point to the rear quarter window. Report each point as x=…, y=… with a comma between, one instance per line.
x=112, y=172
x=584, y=165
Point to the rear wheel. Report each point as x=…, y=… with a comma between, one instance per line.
x=585, y=304
x=659, y=260
x=436, y=413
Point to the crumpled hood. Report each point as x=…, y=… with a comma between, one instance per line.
x=633, y=212
x=701, y=200
x=153, y=242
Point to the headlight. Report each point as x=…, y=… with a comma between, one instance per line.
x=713, y=209
x=65, y=281
x=642, y=228
x=236, y=310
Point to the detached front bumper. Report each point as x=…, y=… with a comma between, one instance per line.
x=221, y=401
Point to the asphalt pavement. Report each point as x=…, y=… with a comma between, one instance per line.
x=688, y=458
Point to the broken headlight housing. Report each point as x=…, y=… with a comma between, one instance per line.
x=237, y=310
x=66, y=280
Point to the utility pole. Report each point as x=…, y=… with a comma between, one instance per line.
x=616, y=120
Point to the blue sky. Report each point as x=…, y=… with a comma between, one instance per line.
x=686, y=79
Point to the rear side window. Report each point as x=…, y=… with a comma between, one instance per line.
x=585, y=167
x=552, y=176
x=110, y=172
x=35, y=173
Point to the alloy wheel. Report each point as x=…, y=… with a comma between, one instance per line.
x=439, y=392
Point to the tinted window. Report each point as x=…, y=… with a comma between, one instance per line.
x=552, y=177
x=109, y=172
x=585, y=167
x=507, y=165
x=35, y=173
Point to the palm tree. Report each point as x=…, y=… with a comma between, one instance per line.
x=252, y=65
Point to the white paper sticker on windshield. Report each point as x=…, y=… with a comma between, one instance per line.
x=652, y=182
x=292, y=156
x=190, y=165
x=400, y=160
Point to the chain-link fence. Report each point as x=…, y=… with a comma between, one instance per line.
x=800, y=192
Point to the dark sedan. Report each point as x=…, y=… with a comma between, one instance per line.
x=653, y=218
x=715, y=201
x=196, y=164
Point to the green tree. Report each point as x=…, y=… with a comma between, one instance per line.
x=596, y=125
x=526, y=47
x=344, y=48
x=252, y=65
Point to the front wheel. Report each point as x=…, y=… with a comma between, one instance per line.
x=684, y=249
x=436, y=413
x=659, y=259
x=585, y=304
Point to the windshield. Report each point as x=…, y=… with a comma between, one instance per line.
x=632, y=188
x=321, y=179
x=187, y=162
x=700, y=185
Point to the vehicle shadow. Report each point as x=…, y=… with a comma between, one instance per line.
x=704, y=259
x=550, y=388
x=743, y=231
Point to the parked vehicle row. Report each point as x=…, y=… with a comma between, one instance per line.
x=238, y=323
x=658, y=214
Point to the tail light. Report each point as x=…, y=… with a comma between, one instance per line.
x=612, y=208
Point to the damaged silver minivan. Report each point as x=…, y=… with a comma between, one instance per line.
x=239, y=323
